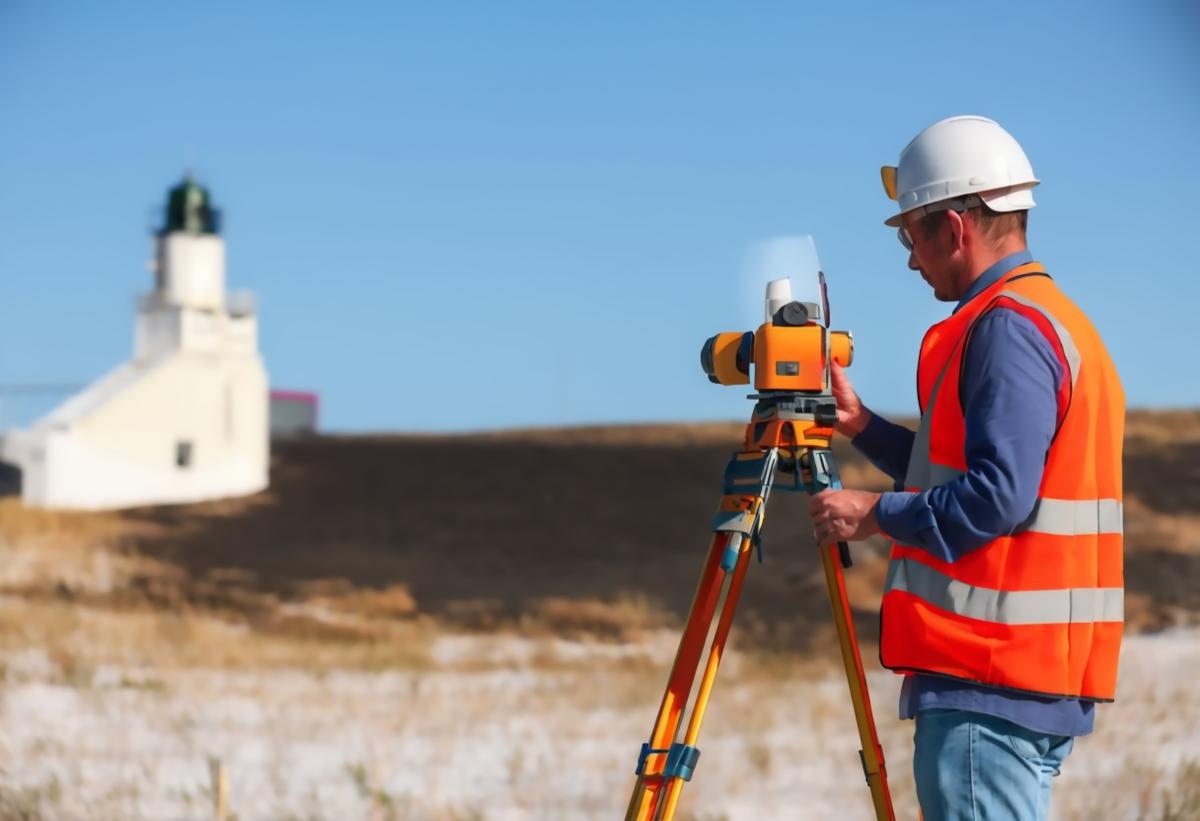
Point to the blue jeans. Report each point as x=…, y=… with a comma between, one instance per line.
x=975, y=767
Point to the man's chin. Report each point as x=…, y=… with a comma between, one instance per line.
x=940, y=296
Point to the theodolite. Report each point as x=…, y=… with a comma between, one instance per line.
x=789, y=432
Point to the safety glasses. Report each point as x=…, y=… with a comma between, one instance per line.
x=958, y=205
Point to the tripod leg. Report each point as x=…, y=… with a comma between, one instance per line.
x=872, y=751
x=724, y=622
x=822, y=474
x=646, y=792
x=664, y=765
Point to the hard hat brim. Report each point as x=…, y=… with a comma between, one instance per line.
x=1012, y=198
x=1017, y=198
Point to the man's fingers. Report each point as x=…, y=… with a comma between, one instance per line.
x=828, y=531
x=819, y=502
x=823, y=512
x=840, y=380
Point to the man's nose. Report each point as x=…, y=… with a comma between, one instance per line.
x=912, y=262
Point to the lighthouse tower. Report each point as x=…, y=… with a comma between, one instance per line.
x=185, y=419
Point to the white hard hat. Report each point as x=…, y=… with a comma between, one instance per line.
x=956, y=158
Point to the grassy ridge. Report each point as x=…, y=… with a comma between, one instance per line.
x=575, y=531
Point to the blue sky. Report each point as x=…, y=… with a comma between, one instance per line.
x=464, y=216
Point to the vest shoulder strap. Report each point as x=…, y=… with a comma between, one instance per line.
x=1044, y=321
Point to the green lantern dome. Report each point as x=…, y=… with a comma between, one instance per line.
x=189, y=209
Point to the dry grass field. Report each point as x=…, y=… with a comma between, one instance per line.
x=469, y=627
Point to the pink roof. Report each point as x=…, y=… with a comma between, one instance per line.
x=297, y=396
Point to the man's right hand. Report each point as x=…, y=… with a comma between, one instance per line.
x=852, y=416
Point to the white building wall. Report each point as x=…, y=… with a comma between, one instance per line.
x=159, y=329
x=124, y=452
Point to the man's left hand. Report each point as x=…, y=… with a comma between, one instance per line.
x=843, y=515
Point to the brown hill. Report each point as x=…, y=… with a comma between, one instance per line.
x=596, y=529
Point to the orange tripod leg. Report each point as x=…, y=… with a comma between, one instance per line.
x=665, y=765
x=646, y=793
x=725, y=621
x=872, y=750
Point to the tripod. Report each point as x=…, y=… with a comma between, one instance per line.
x=788, y=432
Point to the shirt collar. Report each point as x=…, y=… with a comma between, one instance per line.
x=992, y=274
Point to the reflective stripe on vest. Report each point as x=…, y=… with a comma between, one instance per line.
x=921, y=471
x=1068, y=344
x=1075, y=517
x=1070, y=606
x=1059, y=517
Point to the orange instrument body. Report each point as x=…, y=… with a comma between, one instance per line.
x=785, y=357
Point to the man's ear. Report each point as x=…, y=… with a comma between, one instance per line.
x=958, y=227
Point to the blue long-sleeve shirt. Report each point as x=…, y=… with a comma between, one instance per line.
x=1009, y=391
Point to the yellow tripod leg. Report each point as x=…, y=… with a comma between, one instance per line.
x=664, y=765
x=872, y=751
x=724, y=622
x=646, y=792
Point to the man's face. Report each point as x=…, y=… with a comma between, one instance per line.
x=930, y=255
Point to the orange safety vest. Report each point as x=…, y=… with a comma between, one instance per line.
x=1040, y=610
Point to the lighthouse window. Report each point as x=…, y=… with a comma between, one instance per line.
x=183, y=454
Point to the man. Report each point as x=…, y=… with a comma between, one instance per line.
x=1003, y=603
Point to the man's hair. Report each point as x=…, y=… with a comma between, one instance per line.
x=993, y=226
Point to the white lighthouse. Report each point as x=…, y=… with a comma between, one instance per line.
x=185, y=419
